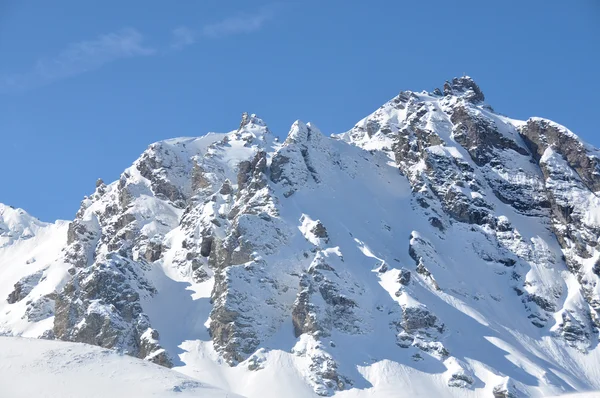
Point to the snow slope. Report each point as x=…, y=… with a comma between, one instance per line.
x=53, y=369
x=30, y=253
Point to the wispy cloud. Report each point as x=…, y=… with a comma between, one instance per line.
x=183, y=37
x=78, y=58
x=243, y=23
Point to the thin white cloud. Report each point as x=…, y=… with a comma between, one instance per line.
x=183, y=37
x=84, y=56
x=78, y=58
x=239, y=24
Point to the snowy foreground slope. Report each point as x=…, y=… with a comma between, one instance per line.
x=41, y=368
x=436, y=249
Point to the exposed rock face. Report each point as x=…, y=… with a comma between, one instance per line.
x=480, y=136
x=23, y=287
x=506, y=390
x=253, y=228
x=572, y=180
x=320, y=232
x=541, y=134
x=331, y=308
x=111, y=243
x=464, y=87
x=292, y=166
x=435, y=234
x=152, y=167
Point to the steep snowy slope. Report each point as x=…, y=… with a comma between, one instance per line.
x=435, y=249
x=30, y=271
x=38, y=368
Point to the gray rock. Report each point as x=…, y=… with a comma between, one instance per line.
x=226, y=188
x=505, y=391
x=40, y=309
x=100, y=306
x=460, y=380
x=320, y=231
x=199, y=179
x=404, y=277
x=480, y=137
x=539, y=134
x=465, y=87
x=23, y=287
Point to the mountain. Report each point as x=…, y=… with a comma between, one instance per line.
x=437, y=248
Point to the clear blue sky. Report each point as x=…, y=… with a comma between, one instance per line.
x=86, y=86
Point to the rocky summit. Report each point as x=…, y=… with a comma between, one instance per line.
x=438, y=248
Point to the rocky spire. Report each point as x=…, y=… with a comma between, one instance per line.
x=464, y=87
x=245, y=120
x=251, y=119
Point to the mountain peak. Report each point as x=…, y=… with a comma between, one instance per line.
x=464, y=87
x=251, y=119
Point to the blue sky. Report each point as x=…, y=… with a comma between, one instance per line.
x=86, y=86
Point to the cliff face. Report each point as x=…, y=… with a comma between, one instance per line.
x=436, y=246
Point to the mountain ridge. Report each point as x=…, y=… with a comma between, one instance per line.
x=447, y=247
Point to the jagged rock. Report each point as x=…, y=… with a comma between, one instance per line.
x=414, y=319
x=40, y=308
x=480, y=137
x=226, y=188
x=422, y=252
x=245, y=121
x=542, y=302
x=320, y=232
x=249, y=169
x=322, y=284
x=303, y=314
x=576, y=332
x=437, y=223
x=404, y=277
x=464, y=87
x=505, y=390
x=460, y=380
x=540, y=134
x=100, y=306
x=24, y=286
x=325, y=369
x=291, y=165
x=151, y=350
x=199, y=179
x=153, y=251
x=257, y=360
x=152, y=167
x=206, y=246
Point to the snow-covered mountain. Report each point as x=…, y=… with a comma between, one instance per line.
x=436, y=249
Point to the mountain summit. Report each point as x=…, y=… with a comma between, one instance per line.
x=436, y=249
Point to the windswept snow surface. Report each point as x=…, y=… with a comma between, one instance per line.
x=54, y=369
